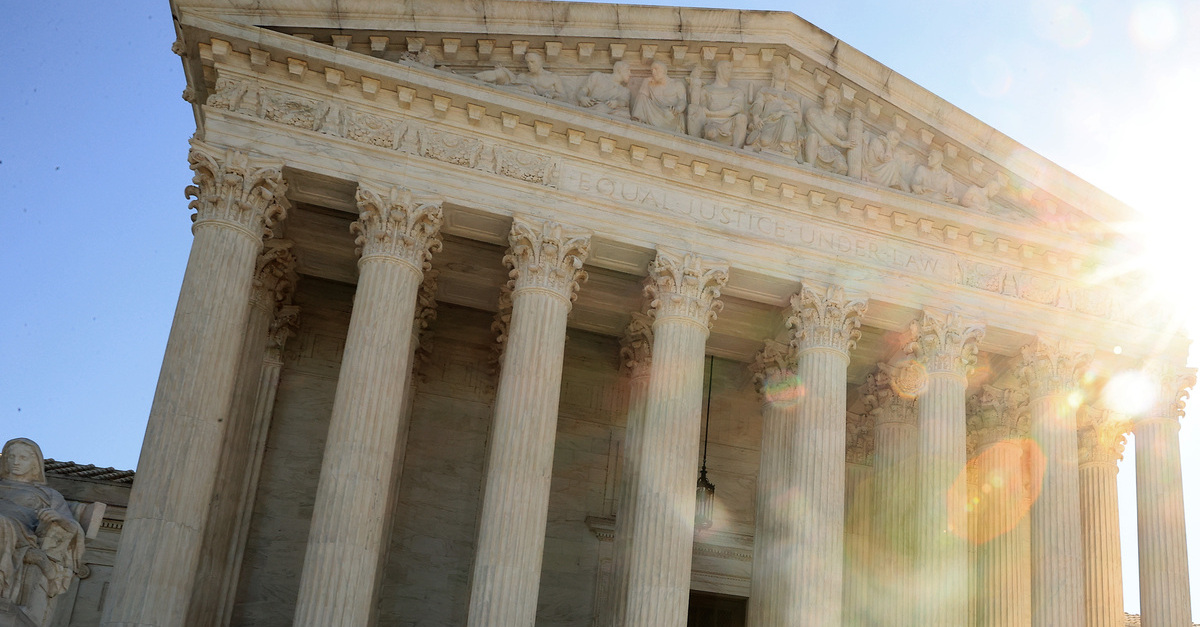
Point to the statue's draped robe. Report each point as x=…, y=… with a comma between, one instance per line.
x=777, y=119
x=662, y=105
x=24, y=538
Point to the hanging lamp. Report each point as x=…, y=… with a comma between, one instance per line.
x=706, y=492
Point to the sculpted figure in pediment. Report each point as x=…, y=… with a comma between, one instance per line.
x=538, y=80
x=980, y=198
x=607, y=93
x=775, y=116
x=827, y=135
x=933, y=181
x=884, y=163
x=41, y=543
x=718, y=110
x=661, y=101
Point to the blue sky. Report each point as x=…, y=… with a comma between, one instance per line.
x=94, y=229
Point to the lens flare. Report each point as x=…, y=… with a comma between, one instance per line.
x=1129, y=392
x=784, y=390
x=1000, y=499
x=1154, y=25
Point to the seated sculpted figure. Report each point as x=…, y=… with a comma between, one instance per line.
x=980, y=198
x=933, y=181
x=718, y=110
x=607, y=93
x=775, y=116
x=661, y=100
x=538, y=80
x=884, y=163
x=41, y=544
x=827, y=135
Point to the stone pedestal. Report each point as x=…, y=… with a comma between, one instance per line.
x=546, y=261
x=236, y=199
x=1056, y=546
x=1101, y=446
x=1162, y=537
x=683, y=288
x=636, y=357
x=946, y=348
x=396, y=233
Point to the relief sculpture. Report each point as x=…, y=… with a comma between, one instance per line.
x=661, y=100
x=718, y=110
x=538, y=80
x=607, y=93
x=776, y=117
x=827, y=136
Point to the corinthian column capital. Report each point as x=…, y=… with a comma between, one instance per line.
x=995, y=414
x=395, y=224
x=1102, y=436
x=274, y=275
x=231, y=189
x=823, y=317
x=1171, y=385
x=1052, y=368
x=638, y=344
x=945, y=344
x=860, y=438
x=686, y=285
x=548, y=256
x=283, y=326
x=890, y=393
x=773, y=367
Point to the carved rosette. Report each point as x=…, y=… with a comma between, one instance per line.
x=686, y=285
x=274, y=275
x=548, y=256
x=283, y=326
x=1172, y=385
x=1052, y=368
x=945, y=344
x=887, y=396
x=231, y=189
x=995, y=414
x=773, y=366
x=395, y=224
x=1102, y=436
x=637, y=344
x=825, y=318
x=860, y=438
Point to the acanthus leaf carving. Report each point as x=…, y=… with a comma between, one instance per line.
x=1171, y=384
x=825, y=318
x=637, y=344
x=890, y=393
x=995, y=414
x=774, y=368
x=395, y=223
x=945, y=344
x=860, y=438
x=233, y=189
x=283, y=326
x=1102, y=436
x=546, y=255
x=274, y=274
x=686, y=285
x=1052, y=368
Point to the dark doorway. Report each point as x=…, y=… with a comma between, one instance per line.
x=715, y=610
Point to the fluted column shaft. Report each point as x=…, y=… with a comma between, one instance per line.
x=546, y=259
x=337, y=584
x=857, y=593
x=683, y=288
x=892, y=504
x=154, y=577
x=636, y=355
x=1003, y=599
x=1162, y=537
x=1101, y=544
x=947, y=349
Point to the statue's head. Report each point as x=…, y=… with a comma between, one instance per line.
x=832, y=96
x=621, y=71
x=724, y=70
x=658, y=71
x=936, y=157
x=534, y=62
x=22, y=461
x=893, y=138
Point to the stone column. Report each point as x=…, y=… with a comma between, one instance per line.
x=857, y=594
x=800, y=578
x=890, y=398
x=236, y=199
x=636, y=357
x=274, y=282
x=946, y=348
x=1050, y=371
x=997, y=422
x=396, y=235
x=683, y=288
x=1162, y=539
x=1101, y=446
x=546, y=261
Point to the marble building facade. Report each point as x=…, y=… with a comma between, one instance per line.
x=459, y=272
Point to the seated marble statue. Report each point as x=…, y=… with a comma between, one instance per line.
x=607, y=93
x=933, y=181
x=661, y=101
x=827, y=135
x=775, y=116
x=538, y=80
x=718, y=110
x=980, y=198
x=884, y=163
x=41, y=544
